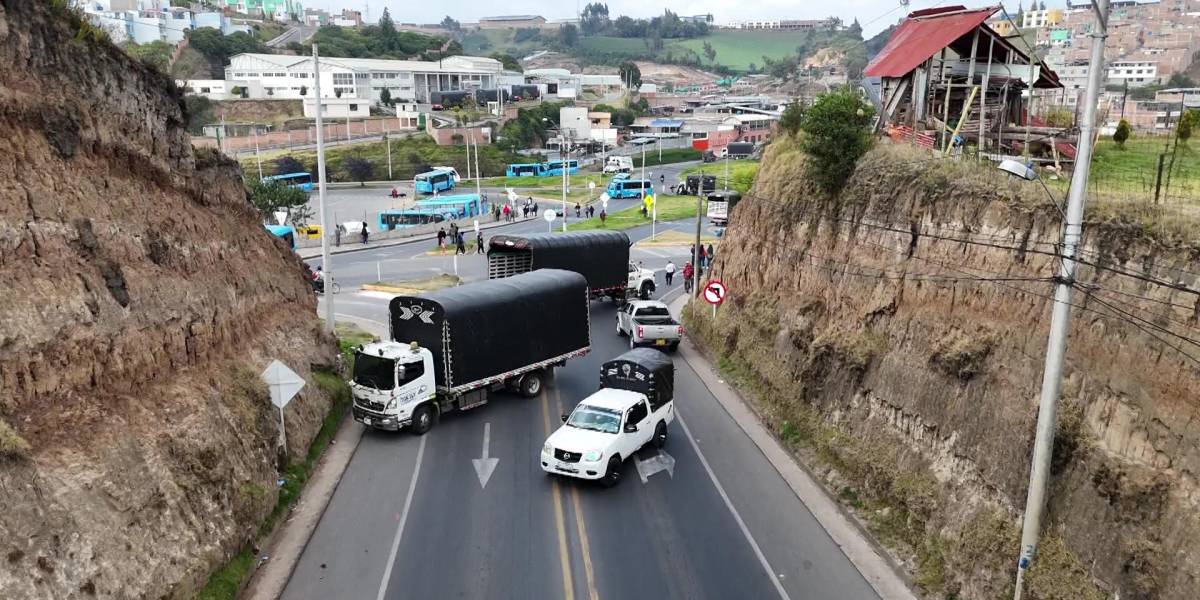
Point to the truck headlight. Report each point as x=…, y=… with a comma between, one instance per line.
x=391, y=405
x=547, y=449
x=592, y=456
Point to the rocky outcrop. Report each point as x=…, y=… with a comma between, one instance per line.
x=894, y=336
x=141, y=298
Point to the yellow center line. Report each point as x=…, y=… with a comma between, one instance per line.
x=563, y=557
x=581, y=528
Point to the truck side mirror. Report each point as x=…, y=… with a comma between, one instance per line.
x=564, y=417
x=631, y=428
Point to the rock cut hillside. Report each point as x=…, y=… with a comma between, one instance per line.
x=141, y=298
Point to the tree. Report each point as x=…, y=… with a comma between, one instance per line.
x=1181, y=80
x=507, y=62
x=217, y=48
x=792, y=118
x=855, y=29
x=709, y=52
x=569, y=34
x=156, y=54
x=198, y=112
x=288, y=164
x=594, y=18
x=387, y=32
x=630, y=74
x=837, y=133
x=1122, y=133
x=359, y=169
x=270, y=197
x=1187, y=124
x=385, y=97
x=449, y=24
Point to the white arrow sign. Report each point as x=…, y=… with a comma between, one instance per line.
x=283, y=382
x=484, y=467
x=661, y=462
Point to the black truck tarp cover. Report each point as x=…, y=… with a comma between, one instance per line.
x=642, y=370
x=496, y=326
x=600, y=256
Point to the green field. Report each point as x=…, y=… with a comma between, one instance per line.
x=670, y=208
x=1132, y=173
x=741, y=173
x=736, y=50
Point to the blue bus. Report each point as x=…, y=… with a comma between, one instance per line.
x=525, y=170
x=555, y=167
x=623, y=187
x=296, y=180
x=434, y=181
x=464, y=205
x=284, y=232
x=412, y=217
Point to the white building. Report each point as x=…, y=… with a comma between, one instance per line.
x=281, y=76
x=338, y=108
x=213, y=89
x=147, y=21
x=1137, y=73
x=575, y=120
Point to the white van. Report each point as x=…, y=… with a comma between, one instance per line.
x=618, y=164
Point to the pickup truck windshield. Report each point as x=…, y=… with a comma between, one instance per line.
x=374, y=371
x=652, y=311
x=595, y=419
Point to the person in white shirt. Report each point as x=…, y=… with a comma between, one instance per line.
x=670, y=271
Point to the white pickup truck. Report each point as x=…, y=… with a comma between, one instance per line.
x=641, y=282
x=632, y=409
x=649, y=323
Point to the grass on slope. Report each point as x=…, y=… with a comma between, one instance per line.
x=741, y=173
x=736, y=50
x=1131, y=173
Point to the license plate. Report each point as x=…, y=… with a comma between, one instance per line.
x=660, y=342
x=366, y=420
x=566, y=469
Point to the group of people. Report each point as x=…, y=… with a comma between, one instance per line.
x=340, y=230
x=455, y=236
x=589, y=211
x=508, y=212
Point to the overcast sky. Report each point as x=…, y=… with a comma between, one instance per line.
x=874, y=15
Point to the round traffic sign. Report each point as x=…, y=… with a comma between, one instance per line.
x=549, y=215
x=591, y=185
x=714, y=291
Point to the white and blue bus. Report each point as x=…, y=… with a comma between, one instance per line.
x=286, y=233
x=555, y=167
x=302, y=181
x=623, y=187
x=434, y=181
x=525, y=170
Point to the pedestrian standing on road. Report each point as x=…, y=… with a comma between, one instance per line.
x=692, y=252
x=688, y=272
x=460, y=243
x=364, y=233
x=577, y=209
x=337, y=236
x=479, y=243
x=453, y=230
x=603, y=216
x=703, y=257
x=506, y=211
x=712, y=255
x=670, y=271
x=441, y=238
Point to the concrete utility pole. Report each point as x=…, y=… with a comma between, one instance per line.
x=257, y=156
x=1056, y=347
x=696, y=248
x=564, y=148
x=328, y=267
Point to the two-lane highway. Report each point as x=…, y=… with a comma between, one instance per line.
x=706, y=517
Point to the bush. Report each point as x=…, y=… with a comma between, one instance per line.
x=836, y=128
x=359, y=169
x=1122, y=133
x=288, y=164
x=269, y=197
x=12, y=445
x=1187, y=123
x=793, y=117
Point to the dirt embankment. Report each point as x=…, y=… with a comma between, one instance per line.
x=141, y=298
x=904, y=364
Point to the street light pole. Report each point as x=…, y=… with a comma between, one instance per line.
x=562, y=152
x=388, y=139
x=257, y=156
x=696, y=247
x=328, y=267
x=1056, y=346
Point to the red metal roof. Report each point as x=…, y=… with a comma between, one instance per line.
x=923, y=34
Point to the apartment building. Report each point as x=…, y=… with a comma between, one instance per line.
x=1037, y=19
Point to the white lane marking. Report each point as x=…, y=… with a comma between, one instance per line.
x=485, y=466
x=762, y=558
x=412, y=488
x=356, y=318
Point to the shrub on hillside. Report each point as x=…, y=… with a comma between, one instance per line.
x=1122, y=133
x=837, y=133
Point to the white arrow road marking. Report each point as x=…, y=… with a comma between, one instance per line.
x=484, y=467
x=660, y=462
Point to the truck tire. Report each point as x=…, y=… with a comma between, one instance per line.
x=531, y=384
x=620, y=332
x=645, y=291
x=612, y=475
x=660, y=435
x=422, y=419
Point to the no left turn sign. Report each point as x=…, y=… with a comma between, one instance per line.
x=714, y=292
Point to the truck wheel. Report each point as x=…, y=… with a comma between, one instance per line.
x=620, y=332
x=674, y=348
x=632, y=344
x=531, y=384
x=422, y=419
x=660, y=435
x=612, y=475
x=644, y=292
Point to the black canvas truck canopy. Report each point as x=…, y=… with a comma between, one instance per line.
x=600, y=256
x=643, y=370
x=484, y=329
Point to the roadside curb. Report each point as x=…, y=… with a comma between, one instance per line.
x=873, y=562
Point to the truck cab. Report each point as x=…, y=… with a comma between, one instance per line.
x=389, y=381
x=618, y=164
x=641, y=283
x=632, y=409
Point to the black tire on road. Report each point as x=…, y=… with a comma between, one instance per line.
x=644, y=292
x=422, y=419
x=531, y=384
x=632, y=344
x=620, y=332
x=674, y=348
x=660, y=435
x=612, y=475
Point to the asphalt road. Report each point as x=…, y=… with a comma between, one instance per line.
x=410, y=518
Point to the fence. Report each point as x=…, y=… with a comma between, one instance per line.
x=335, y=131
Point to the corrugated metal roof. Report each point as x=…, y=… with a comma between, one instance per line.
x=666, y=123
x=923, y=34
